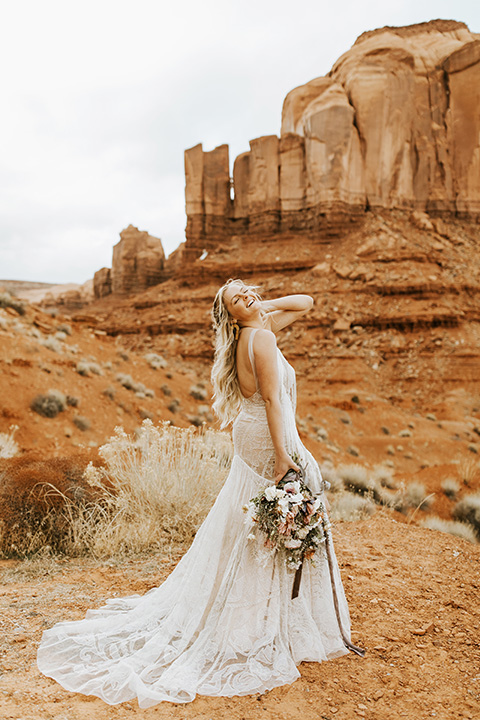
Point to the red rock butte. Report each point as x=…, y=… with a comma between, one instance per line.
x=395, y=124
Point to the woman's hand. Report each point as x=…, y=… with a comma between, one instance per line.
x=283, y=463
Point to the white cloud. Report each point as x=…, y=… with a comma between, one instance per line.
x=102, y=97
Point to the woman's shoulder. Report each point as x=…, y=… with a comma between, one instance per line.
x=263, y=339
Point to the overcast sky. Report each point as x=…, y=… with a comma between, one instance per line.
x=100, y=98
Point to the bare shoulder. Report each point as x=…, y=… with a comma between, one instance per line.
x=264, y=341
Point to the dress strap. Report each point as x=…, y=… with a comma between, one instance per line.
x=251, y=356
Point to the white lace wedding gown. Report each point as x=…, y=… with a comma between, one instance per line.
x=223, y=623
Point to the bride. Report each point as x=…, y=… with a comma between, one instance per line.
x=224, y=622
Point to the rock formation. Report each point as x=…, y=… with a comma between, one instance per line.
x=394, y=124
x=138, y=263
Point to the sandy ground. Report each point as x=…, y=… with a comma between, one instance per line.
x=414, y=601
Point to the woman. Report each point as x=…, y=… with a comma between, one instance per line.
x=223, y=623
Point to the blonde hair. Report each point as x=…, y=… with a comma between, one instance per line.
x=227, y=396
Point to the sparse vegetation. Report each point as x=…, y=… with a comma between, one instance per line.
x=137, y=387
x=450, y=487
x=9, y=300
x=82, y=423
x=85, y=367
x=51, y=343
x=166, y=390
x=467, y=510
x=155, y=361
x=174, y=405
x=109, y=392
x=416, y=496
x=357, y=479
x=459, y=529
x=49, y=405
x=199, y=391
x=349, y=507
x=383, y=475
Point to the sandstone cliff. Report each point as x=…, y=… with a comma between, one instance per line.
x=394, y=124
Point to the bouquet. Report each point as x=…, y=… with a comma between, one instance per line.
x=292, y=519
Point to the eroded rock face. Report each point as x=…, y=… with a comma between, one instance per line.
x=395, y=124
x=102, y=283
x=138, y=262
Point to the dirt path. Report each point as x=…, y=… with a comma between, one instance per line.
x=414, y=601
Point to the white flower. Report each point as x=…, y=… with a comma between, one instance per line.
x=251, y=536
x=270, y=493
x=316, y=504
x=303, y=532
x=292, y=487
x=292, y=544
x=250, y=511
x=280, y=493
x=297, y=498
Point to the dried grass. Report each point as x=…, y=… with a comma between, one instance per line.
x=467, y=510
x=8, y=447
x=459, y=529
x=349, y=507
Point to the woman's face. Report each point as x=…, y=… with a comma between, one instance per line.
x=241, y=302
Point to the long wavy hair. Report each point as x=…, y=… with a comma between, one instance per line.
x=227, y=396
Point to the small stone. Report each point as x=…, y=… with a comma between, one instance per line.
x=385, y=430
x=378, y=694
x=424, y=630
x=353, y=450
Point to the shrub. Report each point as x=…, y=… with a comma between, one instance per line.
x=199, y=392
x=459, y=529
x=330, y=475
x=174, y=405
x=64, y=328
x=49, y=405
x=82, y=423
x=85, y=367
x=155, y=361
x=350, y=508
x=39, y=500
x=109, y=392
x=8, y=446
x=72, y=401
x=416, y=496
x=467, y=510
x=450, y=487
x=356, y=478
x=8, y=300
x=383, y=475
x=51, y=343
x=166, y=390
x=160, y=488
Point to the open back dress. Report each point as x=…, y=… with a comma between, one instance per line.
x=223, y=623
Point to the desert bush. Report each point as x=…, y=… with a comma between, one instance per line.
x=174, y=405
x=155, y=361
x=383, y=475
x=109, y=392
x=51, y=343
x=357, y=478
x=85, y=367
x=329, y=474
x=349, y=507
x=467, y=510
x=72, y=401
x=8, y=446
x=9, y=300
x=199, y=392
x=65, y=328
x=166, y=390
x=49, y=405
x=469, y=471
x=459, y=529
x=39, y=499
x=82, y=423
x=416, y=496
x=450, y=487
x=162, y=485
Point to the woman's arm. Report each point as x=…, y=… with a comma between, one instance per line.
x=265, y=353
x=285, y=310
